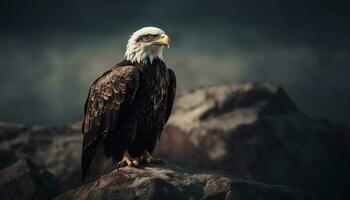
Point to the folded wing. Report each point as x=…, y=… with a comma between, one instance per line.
x=109, y=98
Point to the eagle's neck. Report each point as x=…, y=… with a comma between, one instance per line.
x=146, y=63
x=143, y=53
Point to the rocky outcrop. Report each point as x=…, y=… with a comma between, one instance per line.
x=173, y=182
x=248, y=129
x=257, y=130
x=23, y=180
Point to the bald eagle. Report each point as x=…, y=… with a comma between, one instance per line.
x=128, y=106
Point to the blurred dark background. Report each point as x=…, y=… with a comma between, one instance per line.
x=51, y=51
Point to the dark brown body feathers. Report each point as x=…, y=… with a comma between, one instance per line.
x=126, y=109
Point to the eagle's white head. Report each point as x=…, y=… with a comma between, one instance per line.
x=146, y=43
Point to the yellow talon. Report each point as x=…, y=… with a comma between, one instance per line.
x=128, y=161
x=148, y=159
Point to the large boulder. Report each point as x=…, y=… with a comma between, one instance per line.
x=256, y=129
x=23, y=180
x=173, y=182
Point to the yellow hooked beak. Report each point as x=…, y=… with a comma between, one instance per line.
x=163, y=40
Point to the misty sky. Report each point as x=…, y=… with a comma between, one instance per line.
x=51, y=51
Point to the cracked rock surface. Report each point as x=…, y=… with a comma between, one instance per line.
x=174, y=182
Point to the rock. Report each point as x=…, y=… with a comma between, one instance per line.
x=173, y=182
x=256, y=129
x=56, y=148
x=23, y=180
x=249, y=129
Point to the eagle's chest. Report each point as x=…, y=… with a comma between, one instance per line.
x=153, y=87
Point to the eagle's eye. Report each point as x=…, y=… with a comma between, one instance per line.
x=150, y=36
x=146, y=38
